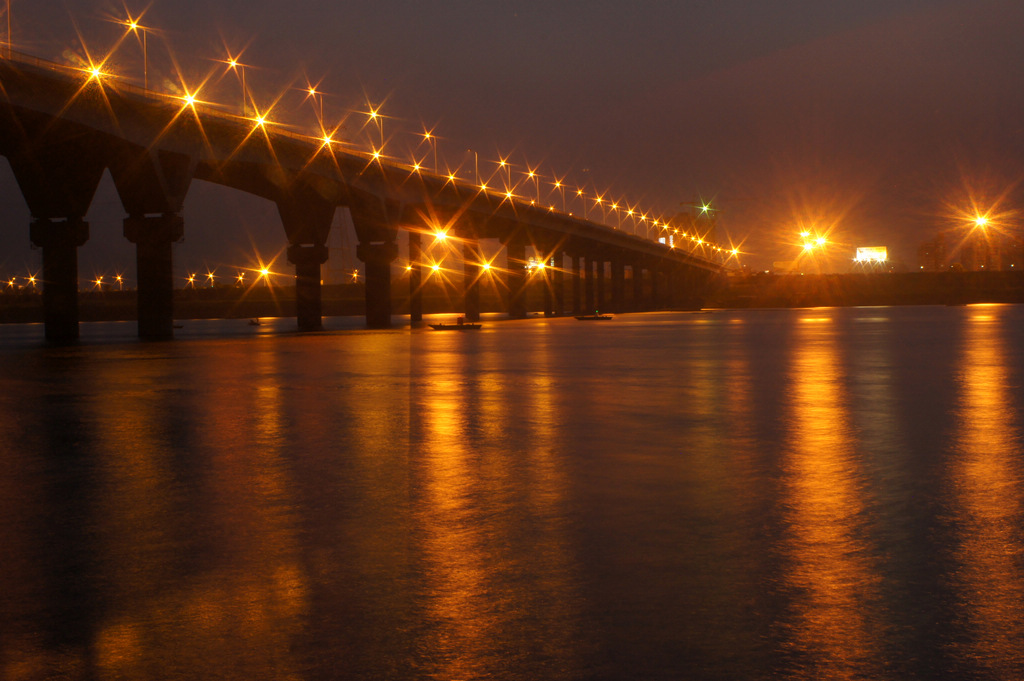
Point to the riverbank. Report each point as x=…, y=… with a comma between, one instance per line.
x=751, y=291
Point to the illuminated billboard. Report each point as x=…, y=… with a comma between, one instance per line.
x=872, y=254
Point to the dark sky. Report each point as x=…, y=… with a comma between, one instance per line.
x=871, y=119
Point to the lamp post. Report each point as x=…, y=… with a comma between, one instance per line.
x=318, y=104
x=431, y=139
x=135, y=27
x=239, y=68
x=375, y=116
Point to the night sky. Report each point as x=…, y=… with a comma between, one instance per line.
x=872, y=120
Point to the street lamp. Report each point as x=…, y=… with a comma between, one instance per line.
x=561, y=190
x=318, y=98
x=135, y=27
x=374, y=115
x=430, y=138
x=239, y=68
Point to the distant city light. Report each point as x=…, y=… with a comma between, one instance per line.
x=872, y=254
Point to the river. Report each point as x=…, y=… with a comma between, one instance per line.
x=760, y=494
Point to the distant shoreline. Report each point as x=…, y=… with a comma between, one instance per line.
x=757, y=290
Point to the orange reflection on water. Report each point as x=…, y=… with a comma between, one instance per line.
x=832, y=581
x=988, y=481
x=493, y=548
x=234, y=612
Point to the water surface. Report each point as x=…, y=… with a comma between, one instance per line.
x=758, y=494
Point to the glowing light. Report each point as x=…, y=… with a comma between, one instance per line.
x=435, y=267
x=981, y=221
x=820, y=241
x=440, y=235
x=872, y=254
x=486, y=266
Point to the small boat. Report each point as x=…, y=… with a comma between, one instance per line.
x=459, y=325
x=597, y=316
x=178, y=326
x=254, y=322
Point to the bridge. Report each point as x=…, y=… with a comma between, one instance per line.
x=62, y=126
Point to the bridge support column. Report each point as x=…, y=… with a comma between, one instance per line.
x=471, y=272
x=308, y=298
x=638, y=286
x=655, y=292
x=588, y=285
x=599, y=280
x=153, y=237
x=515, y=252
x=60, y=241
x=415, y=277
x=559, y=281
x=576, y=308
x=546, y=276
x=618, y=284
x=377, y=258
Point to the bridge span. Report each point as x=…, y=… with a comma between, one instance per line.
x=61, y=127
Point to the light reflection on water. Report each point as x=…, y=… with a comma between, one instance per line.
x=831, y=575
x=759, y=494
x=988, y=491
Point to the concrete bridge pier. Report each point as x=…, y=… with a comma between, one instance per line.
x=588, y=284
x=308, y=299
x=415, y=277
x=471, y=271
x=377, y=258
x=546, y=276
x=599, y=303
x=306, y=217
x=60, y=241
x=515, y=253
x=154, y=237
x=655, y=289
x=559, y=284
x=618, y=284
x=576, y=302
x=638, y=286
